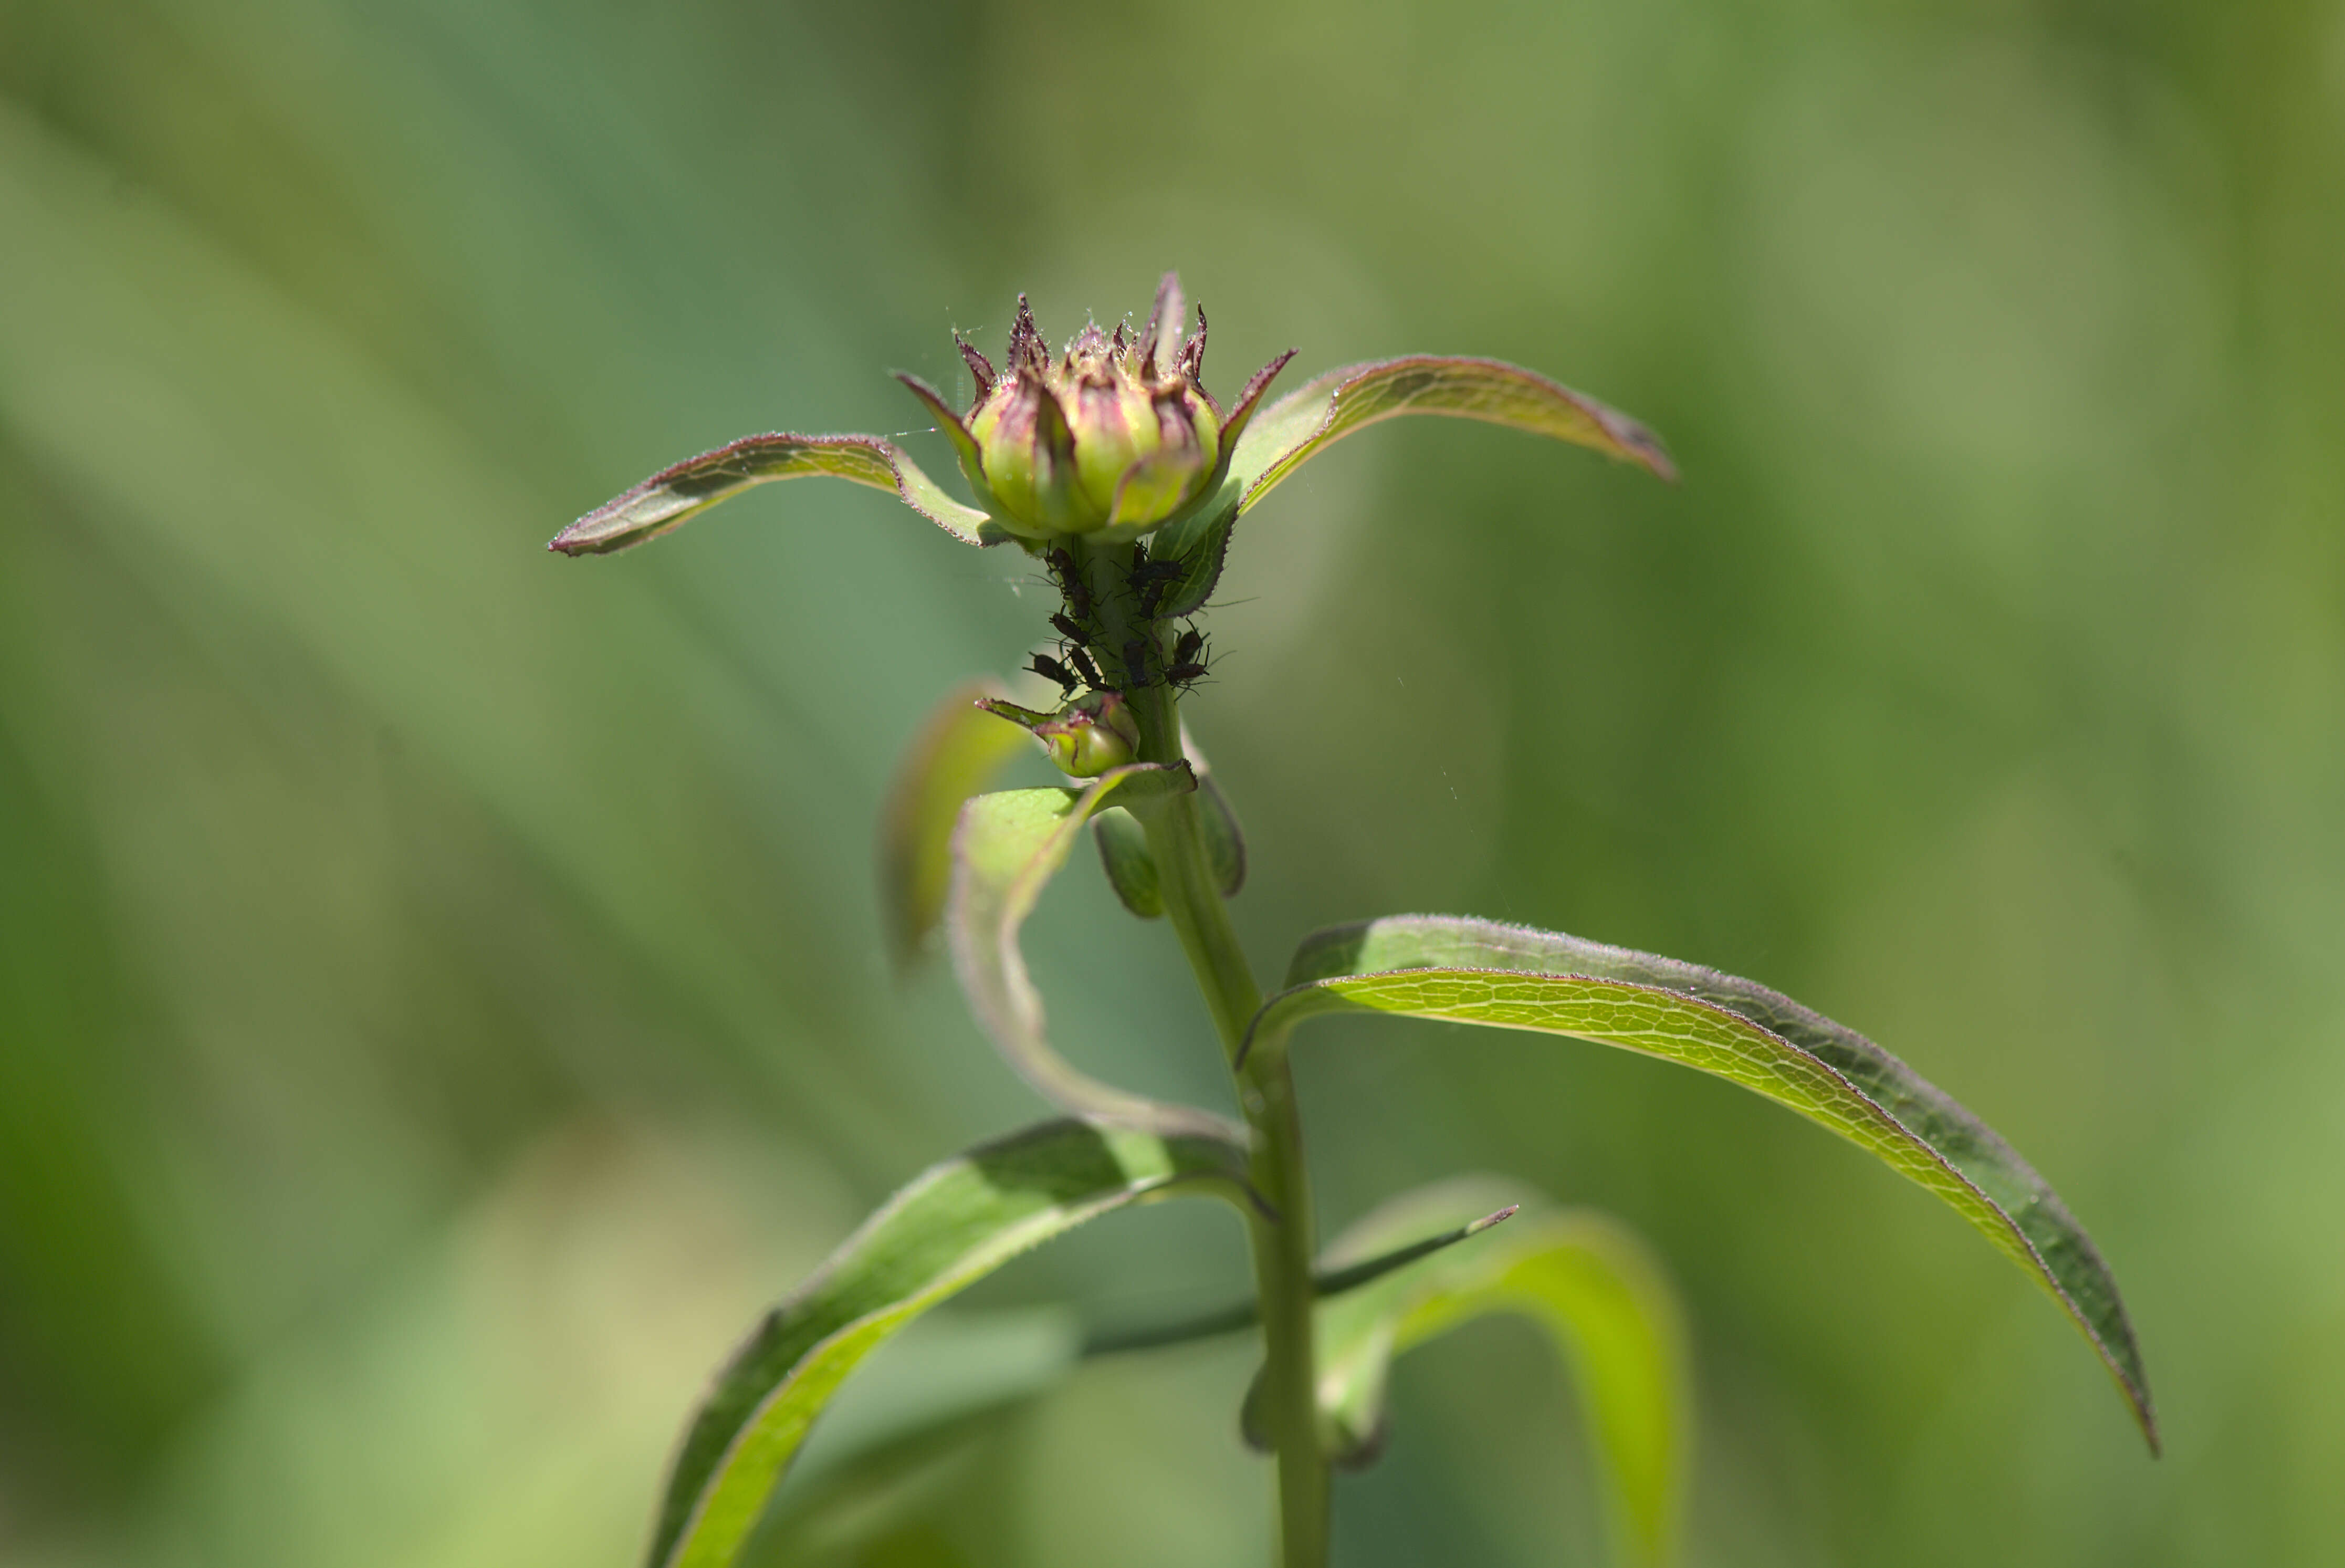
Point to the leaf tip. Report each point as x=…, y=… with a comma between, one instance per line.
x=580, y=538
x=1487, y=1220
x=1639, y=444
x=1249, y=398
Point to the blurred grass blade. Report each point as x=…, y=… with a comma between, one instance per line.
x=957, y=1223
x=957, y=752
x=1323, y=410
x=674, y=496
x=1479, y=972
x=1591, y=1285
x=1005, y=851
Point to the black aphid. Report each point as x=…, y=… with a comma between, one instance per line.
x=1050, y=668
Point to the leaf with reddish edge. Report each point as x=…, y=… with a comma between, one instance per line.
x=1513, y=977
x=674, y=496
x=1323, y=410
x=1005, y=852
x=954, y=1224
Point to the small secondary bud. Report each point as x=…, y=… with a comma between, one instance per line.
x=1085, y=738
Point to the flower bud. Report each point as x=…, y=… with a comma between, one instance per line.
x=1085, y=738
x=1112, y=434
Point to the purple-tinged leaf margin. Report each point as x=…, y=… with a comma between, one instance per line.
x=1480, y=972
x=1325, y=410
x=675, y=495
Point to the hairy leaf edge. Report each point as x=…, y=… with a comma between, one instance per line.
x=1281, y=1012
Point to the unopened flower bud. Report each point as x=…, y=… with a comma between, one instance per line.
x=1085, y=738
x=1114, y=433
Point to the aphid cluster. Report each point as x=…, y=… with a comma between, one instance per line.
x=1142, y=660
x=1148, y=580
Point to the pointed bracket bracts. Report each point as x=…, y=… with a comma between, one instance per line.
x=1249, y=402
x=955, y=429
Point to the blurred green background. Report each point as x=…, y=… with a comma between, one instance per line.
x=442, y=991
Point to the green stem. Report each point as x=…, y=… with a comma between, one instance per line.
x=1283, y=1245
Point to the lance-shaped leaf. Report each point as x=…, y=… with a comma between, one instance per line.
x=674, y=496
x=1323, y=410
x=1479, y=972
x=959, y=750
x=1583, y=1279
x=1005, y=852
x=957, y=1223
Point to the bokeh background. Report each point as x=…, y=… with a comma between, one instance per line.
x=441, y=988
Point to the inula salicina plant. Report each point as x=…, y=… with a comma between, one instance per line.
x=1112, y=468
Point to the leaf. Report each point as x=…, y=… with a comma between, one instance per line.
x=1224, y=841
x=950, y=1365
x=957, y=1223
x=674, y=496
x=1005, y=851
x=1124, y=844
x=1123, y=855
x=959, y=750
x=1581, y=1276
x=1323, y=410
x=1479, y=972
x=1200, y=542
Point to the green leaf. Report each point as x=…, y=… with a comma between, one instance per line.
x=1123, y=855
x=958, y=751
x=1201, y=544
x=957, y=1223
x=1323, y=410
x=1581, y=1276
x=1005, y=851
x=950, y=1365
x=674, y=496
x=1124, y=844
x=1224, y=841
x=1478, y=972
